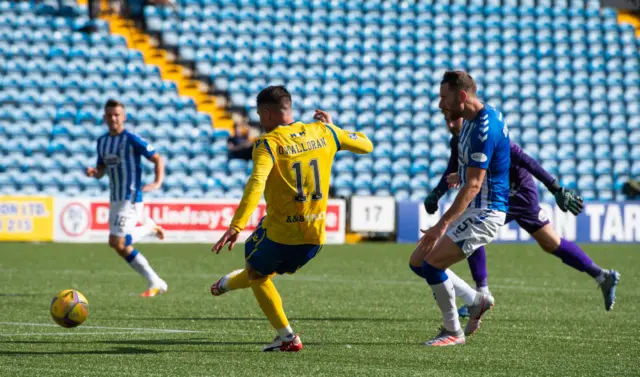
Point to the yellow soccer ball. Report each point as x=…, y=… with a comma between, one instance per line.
x=69, y=308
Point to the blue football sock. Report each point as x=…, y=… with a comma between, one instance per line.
x=416, y=270
x=433, y=275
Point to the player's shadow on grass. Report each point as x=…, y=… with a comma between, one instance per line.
x=203, y=342
x=180, y=342
x=311, y=319
x=187, y=342
x=115, y=351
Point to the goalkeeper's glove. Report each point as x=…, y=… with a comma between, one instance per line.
x=431, y=202
x=567, y=200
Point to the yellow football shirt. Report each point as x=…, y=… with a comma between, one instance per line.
x=292, y=166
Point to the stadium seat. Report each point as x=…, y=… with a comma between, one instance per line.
x=378, y=71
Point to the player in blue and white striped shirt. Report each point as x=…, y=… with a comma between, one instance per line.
x=478, y=211
x=119, y=156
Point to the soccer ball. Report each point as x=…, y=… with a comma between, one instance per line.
x=69, y=308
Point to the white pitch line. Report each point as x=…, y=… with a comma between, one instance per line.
x=83, y=333
x=142, y=329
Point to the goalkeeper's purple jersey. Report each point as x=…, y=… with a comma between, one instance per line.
x=523, y=191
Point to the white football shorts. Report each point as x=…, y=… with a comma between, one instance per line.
x=124, y=216
x=476, y=227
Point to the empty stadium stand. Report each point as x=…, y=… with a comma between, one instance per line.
x=565, y=74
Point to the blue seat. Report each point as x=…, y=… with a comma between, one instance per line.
x=588, y=194
x=586, y=182
x=382, y=165
x=568, y=167
x=603, y=167
x=343, y=181
x=400, y=182
x=363, y=165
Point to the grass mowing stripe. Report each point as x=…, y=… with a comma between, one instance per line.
x=98, y=327
x=549, y=319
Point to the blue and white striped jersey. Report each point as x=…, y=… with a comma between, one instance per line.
x=484, y=143
x=120, y=154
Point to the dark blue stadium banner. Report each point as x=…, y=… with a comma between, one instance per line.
x=600, y=222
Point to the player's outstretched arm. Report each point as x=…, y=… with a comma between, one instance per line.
x=158, y=163
x=355, y=142
x=521, y=159
x=263, y=161
x=567, y=200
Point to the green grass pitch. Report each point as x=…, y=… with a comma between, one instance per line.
x=359, y=310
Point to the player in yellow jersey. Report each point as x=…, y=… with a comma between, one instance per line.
x=292, y=166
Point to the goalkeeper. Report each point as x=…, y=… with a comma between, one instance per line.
x=525, y=209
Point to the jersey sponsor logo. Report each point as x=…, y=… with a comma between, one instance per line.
x=479, y=157
x=306, y=218
x=302, y=147
x=353, y=136
x=150, y=148
x=111, y=160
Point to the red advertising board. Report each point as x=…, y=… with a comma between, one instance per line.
x=87, y=220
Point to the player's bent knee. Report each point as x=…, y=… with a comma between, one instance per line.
x=253, y=274
x=416, y=258
x=445, y=254
x=118, y=244
x=547, y=238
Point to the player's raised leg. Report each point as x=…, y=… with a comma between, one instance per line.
x=148, y=227
x=572, y=255
x=123, y=217
x=237, y=279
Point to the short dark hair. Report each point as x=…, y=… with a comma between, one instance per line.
x=459, y=80
x=276, y=95
x=113, y=103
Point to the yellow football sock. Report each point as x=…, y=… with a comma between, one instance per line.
x=238, y=281
x=270, y=302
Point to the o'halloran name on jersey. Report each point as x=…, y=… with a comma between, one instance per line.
x=302, y=147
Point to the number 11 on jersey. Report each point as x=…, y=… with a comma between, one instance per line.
x=317, y=193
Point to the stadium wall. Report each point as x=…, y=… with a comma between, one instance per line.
x=41, y=218
x=600, y=222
